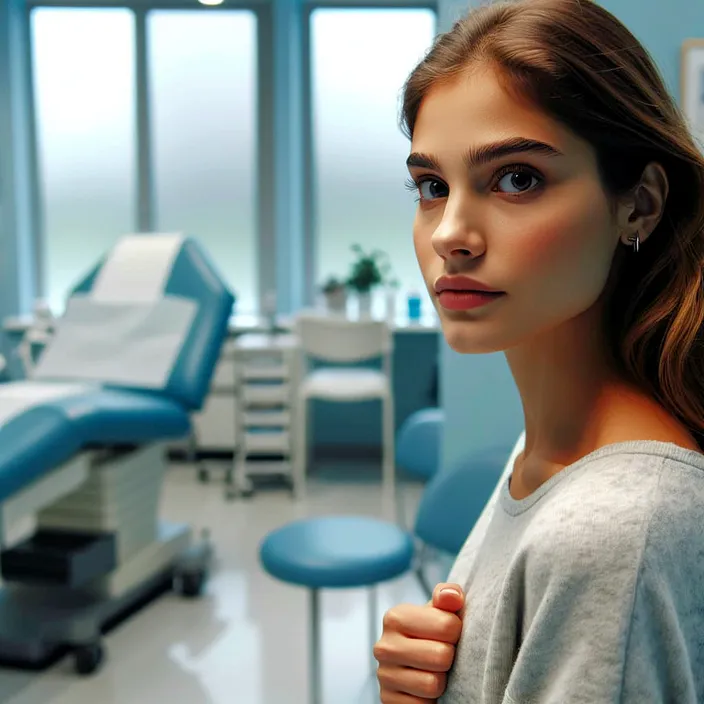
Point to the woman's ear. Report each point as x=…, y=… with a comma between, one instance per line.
x=641, y=212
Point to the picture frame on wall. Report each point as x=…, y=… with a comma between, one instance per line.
x=692, y=86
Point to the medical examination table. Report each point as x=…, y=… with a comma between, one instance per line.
x=82, y=450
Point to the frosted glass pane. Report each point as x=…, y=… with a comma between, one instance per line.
x=203, y=110
x=359, y=151
x=83, y=64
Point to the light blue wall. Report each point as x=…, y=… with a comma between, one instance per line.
x=482, y=405
x=661, y=28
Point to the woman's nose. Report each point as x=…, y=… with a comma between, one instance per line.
x=457, y=242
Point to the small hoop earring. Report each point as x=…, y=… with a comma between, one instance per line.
x=636, y=243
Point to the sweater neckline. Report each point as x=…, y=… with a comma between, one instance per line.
x=515, y=507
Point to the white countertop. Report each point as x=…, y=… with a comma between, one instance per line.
x=253, y=323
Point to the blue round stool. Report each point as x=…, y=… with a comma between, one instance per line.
x=334, y=552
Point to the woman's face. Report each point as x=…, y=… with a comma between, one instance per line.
x=532, y=224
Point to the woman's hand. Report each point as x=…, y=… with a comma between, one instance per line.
x=417, y=647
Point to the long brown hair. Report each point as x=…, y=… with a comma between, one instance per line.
x=580, y=65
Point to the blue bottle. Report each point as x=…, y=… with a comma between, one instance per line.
x=414, y=307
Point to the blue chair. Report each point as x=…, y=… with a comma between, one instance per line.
x=334, y=552
x=452, y=503
x=418, y=452
x=418, y=443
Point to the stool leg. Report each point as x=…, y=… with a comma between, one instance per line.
x=421, y=560
x=388, y=471
x=315, y=676
x=300, y=458
x=373, y=625
x=400, y=499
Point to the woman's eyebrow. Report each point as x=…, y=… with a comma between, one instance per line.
x=477, y=156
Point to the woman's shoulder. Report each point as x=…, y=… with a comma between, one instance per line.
x=672, y=503
x=648, y=472
x=626, y=498
x=639, y=468
x=677, y=514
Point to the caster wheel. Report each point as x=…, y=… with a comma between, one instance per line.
x=234, y=494
x=203, y=475
x=88, y=658
x=192, y=584
x=239, y=488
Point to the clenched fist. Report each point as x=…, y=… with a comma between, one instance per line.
x=417, y=647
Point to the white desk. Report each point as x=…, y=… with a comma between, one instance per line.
x=246, y=323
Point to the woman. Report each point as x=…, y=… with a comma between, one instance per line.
x=561, y=220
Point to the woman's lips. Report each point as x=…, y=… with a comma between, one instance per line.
x=466, y=300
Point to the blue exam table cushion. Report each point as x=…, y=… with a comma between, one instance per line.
x=36, y=440
x=133, y=354
x=149, y=267
x=337, y=551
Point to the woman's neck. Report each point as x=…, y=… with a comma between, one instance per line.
x=574, y=402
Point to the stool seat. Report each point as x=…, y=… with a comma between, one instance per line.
x=337, y=551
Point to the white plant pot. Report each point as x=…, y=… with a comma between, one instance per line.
x=336, y=301
x=365, y=304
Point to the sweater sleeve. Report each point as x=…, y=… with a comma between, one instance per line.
x=664, y=657
x=599, y=636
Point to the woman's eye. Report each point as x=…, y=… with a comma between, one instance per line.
x=427, y=188
x=513, y=180
x=518, y=180
x=431, y=189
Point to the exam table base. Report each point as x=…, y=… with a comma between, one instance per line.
x=39, y=624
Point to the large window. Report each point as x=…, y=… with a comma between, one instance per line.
x=201, y=73
x=360, y=59
x=83, y=63
x=202, y=83
x=202, y=87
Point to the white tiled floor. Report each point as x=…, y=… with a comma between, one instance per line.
x=245, y=641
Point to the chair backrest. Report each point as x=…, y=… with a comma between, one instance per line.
x=418, y=443
x=151, y=315
x=336, y=339
x=460, y=500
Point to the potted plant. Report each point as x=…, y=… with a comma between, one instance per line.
x=369, y=270
x=335, y=295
